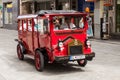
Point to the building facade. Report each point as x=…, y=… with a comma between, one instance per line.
x=105, y=12
x=1, y=20
x=32, y=6
x=107, y=19
x=10, y=13
x=117, y=28
x=13, y=8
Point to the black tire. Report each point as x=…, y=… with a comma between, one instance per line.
x=82, y=63
x=39, y=61
x=20, y=52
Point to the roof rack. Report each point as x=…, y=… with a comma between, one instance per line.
x=42, y=12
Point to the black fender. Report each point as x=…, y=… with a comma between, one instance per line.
x=21, y=45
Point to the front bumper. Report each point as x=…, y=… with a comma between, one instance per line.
x=67, y=58
x=90, y=56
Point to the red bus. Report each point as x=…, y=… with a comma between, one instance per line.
x=54, y=36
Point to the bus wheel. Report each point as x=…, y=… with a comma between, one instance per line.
x=39, y=61
x=19, y=52
x=82, y=63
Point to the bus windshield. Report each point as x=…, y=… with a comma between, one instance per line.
x=68, y=22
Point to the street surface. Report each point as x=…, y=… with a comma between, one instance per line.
x=105, y=66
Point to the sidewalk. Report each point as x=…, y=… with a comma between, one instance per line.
x=110, y=41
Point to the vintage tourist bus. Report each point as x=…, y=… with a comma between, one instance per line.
x=54, y=36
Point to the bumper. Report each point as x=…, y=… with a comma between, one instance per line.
x=90, y=56
x=67, y=58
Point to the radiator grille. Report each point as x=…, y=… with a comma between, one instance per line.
x=75, y=50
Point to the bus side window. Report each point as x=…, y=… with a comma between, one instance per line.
x=29, y=25
x=24, y=25
x=20, y=25
x=35, y=25
x=40, y=26
x=45, y=26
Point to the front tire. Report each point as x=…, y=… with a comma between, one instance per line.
x=20, y=52
x=82, y=63
x=39, y=61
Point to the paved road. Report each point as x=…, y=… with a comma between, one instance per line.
x=105, y=66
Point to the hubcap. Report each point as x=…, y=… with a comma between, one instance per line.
x=19, y=52
x=82, y=61
x=37, y=61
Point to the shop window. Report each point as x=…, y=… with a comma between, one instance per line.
x=73, y=4
x=118, y=19
x=27, y=8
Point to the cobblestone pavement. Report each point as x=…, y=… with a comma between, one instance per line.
x=105, y=66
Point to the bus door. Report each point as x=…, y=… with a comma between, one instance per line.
x=44, y=31
x=22, y=30
x=36, y=34
x=29, y=36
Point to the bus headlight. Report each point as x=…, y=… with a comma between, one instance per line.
x=88, y=43
x=61, y=46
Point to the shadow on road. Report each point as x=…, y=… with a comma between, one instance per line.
x=56, y=68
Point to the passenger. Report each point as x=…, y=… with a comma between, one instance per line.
x=68, y=24
x=57, y=24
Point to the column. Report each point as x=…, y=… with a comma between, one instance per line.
x=98, y=14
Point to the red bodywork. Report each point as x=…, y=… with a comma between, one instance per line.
x=48, y=39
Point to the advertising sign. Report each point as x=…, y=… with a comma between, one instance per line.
x=108, y=2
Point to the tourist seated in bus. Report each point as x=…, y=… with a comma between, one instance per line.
x=57, y=24
x=68, y=24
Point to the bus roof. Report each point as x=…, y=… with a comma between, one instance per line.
x=27, y=16
x=51, y=13
x=59, y=12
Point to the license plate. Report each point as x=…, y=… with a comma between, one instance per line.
x=77, y=57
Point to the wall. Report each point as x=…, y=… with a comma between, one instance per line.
x=1, y=23
x=98, y=14
x=13, y=14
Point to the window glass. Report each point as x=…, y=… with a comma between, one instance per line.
x=20, y=25
x=36, y=25
x=68, y=22
x=118, y=19
x=45, y=26
x=24, y=25
x=29, y=24
x=40, y=26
